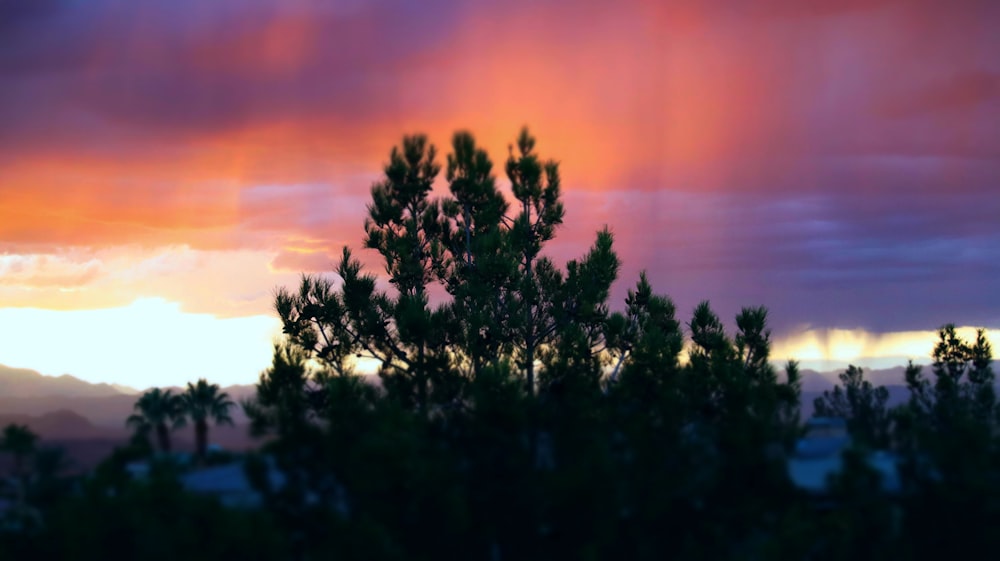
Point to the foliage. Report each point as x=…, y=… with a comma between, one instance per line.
x=521, y=413
x=160, y=412
x=861, y=404
x=204, y=403
x=20, y=443
x=530, y=420
x=147, y=520
x=508, y=301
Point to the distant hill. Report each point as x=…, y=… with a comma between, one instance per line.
x=86, y=444
x=62, y=401
x=813, y=381
x=106, y=411
x=58, y=424
x=26, y=392
x=237, y=392
x=125, y=389
x=890, y=376
x=898, y=394
x=88, y=420
x=22, y=382
x=894, y=379
x=820, y=381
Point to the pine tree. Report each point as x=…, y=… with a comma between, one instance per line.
x=862, y=405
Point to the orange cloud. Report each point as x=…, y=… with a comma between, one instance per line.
x=687, y=94
x=717, y=141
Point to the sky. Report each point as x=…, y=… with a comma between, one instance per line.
x=164, y=165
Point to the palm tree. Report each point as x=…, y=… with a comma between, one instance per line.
x=20, y=442
x=50, y=482
x=203, y=402
x=158, y=410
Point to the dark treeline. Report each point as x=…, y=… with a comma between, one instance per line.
x=523, y=419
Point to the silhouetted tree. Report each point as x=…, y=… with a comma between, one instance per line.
x=962, y=378
x=949, y=440
x=289, y=395
x=157, y=411
x=20, y=442
x=862, y=405
x=153, y=519
x=958, y=410
x=478, y=264
x=50, y=483
x=521, y=414
x=508, y=302
x=535, y=185
x=203, y=402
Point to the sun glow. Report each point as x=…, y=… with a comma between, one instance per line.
x=150, y=342
x=824, y=348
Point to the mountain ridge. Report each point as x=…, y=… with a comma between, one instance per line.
x=25, y=382
x=26, y=392
x=89, y=419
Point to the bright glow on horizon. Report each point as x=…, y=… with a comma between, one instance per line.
x=150, y=342
x=826, y=349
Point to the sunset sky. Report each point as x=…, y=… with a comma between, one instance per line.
x=164, y=165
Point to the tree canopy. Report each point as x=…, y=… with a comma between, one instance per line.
x=160, y=412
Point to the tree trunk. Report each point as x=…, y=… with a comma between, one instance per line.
x=201, y=438
x=422, y=381
x=529, y=350
x=529, y=316
x=163, y=437
x=19, y=458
